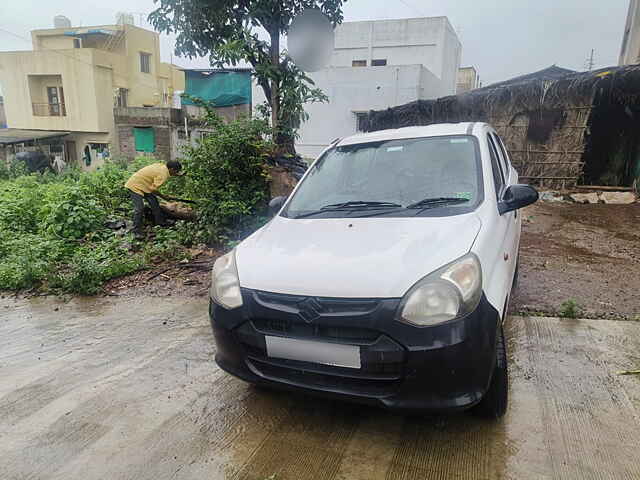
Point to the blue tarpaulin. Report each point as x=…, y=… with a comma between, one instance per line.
x=222, y=88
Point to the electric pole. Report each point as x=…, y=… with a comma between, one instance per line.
x=590, y=62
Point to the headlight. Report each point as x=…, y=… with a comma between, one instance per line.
x=225, y=284
x=448, y=293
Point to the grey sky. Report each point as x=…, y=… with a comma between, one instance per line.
x=502, y=38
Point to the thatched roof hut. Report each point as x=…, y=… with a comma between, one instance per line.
x=562, y=128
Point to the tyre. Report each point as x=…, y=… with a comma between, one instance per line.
x=494, y=402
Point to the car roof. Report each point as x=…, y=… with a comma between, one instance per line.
x=435, y=130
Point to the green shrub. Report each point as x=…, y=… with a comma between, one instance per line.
x=569, y=309
x=91, y=266
x=12, y=170
x=72, y=213
x=52, y=233
x=227, y=175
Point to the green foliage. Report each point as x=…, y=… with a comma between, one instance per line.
x=52, y=227
x=228, y=177
x=72, y=212
x=12, y=170
x=227, y=31
x=52, y=233
x=569, y=309
x=90, y=266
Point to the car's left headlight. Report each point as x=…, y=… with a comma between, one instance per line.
x=225, y=283
x=450, y=292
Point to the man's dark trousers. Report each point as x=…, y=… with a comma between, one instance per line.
x=138, y=209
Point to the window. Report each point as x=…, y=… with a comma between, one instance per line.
x=145, y=62
x=359, y=63
x=145, y=139
x=361, y=121
x=505, y=155
x=498, y=178
x=398, y=171
x=121, y=97
x=77, y=43
x=501, y=157
x=379, y=62
x=55, y=96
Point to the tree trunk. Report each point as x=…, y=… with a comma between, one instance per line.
x=275, y=100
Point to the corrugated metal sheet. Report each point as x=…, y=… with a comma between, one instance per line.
x=9, y=136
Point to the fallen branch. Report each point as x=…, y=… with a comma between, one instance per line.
x=629, y=372
x=157, y=274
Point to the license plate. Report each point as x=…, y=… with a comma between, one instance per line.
x=333, y=354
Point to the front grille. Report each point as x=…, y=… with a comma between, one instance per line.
x=321, y=319
x=323, y=381
x=289, y=328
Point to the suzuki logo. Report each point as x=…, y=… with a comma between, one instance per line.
x=309, y=310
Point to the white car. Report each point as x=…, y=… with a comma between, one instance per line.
x=384, y=277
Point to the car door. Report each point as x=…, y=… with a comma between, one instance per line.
x=509, y=223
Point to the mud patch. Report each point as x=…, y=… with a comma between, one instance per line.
x=586, y=253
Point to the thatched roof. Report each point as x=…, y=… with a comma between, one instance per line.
x=551, y=88
x=550, y=73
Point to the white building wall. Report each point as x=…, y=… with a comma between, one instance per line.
x=423, y=57
x=630, y=50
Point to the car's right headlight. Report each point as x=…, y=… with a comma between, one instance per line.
x=225, y=283
x=448, y=293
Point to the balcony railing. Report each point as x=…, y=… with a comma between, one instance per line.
x=49, y=110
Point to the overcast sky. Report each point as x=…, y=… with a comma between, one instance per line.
x=501, y=38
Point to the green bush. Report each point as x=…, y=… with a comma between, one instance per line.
x=52, y=227
x=227, y=175
x=569, y=309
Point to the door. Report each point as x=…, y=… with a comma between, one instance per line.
x=70, y=150
x=54, y=101
x=509, y=223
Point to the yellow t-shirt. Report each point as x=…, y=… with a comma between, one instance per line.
x=148, y=179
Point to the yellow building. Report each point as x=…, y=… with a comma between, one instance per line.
x=75, y=76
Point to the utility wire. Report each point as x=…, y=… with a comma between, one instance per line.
x=415, y=9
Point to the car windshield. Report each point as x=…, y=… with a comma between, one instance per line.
x=394, y=178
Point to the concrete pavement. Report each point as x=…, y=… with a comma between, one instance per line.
x=127, y=389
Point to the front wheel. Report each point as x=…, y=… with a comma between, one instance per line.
x=494, y=403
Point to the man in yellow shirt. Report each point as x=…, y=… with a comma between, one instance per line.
x=144, y=184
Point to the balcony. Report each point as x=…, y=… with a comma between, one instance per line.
x=49, y=110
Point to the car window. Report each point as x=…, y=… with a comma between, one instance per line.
x=402, y=172
x=498, y=177
x=506, y=154
x=503, y=156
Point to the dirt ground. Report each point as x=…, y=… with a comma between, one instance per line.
x=586, y=253
x=111, y=389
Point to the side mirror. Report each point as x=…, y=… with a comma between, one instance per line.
x=276, y=204
x=517, y=196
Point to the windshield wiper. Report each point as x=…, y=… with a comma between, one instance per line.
x=360, y=203
x=352, y=205
x=436, y=201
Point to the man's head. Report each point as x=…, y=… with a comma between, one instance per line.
x=174, y=168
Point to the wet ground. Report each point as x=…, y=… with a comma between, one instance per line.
x=127, y=389
x=586, y=253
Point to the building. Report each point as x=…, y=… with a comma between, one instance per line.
x=562, y=128
x=73, y=78
x=3, y=117
x=377, y=65
x=161, y=132
x=630, y=50
x=468, y=79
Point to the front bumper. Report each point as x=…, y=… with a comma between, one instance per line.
x=444, y=367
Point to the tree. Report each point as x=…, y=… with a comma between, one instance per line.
x=227, y=31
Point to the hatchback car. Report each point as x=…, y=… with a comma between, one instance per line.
x=384, y=277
